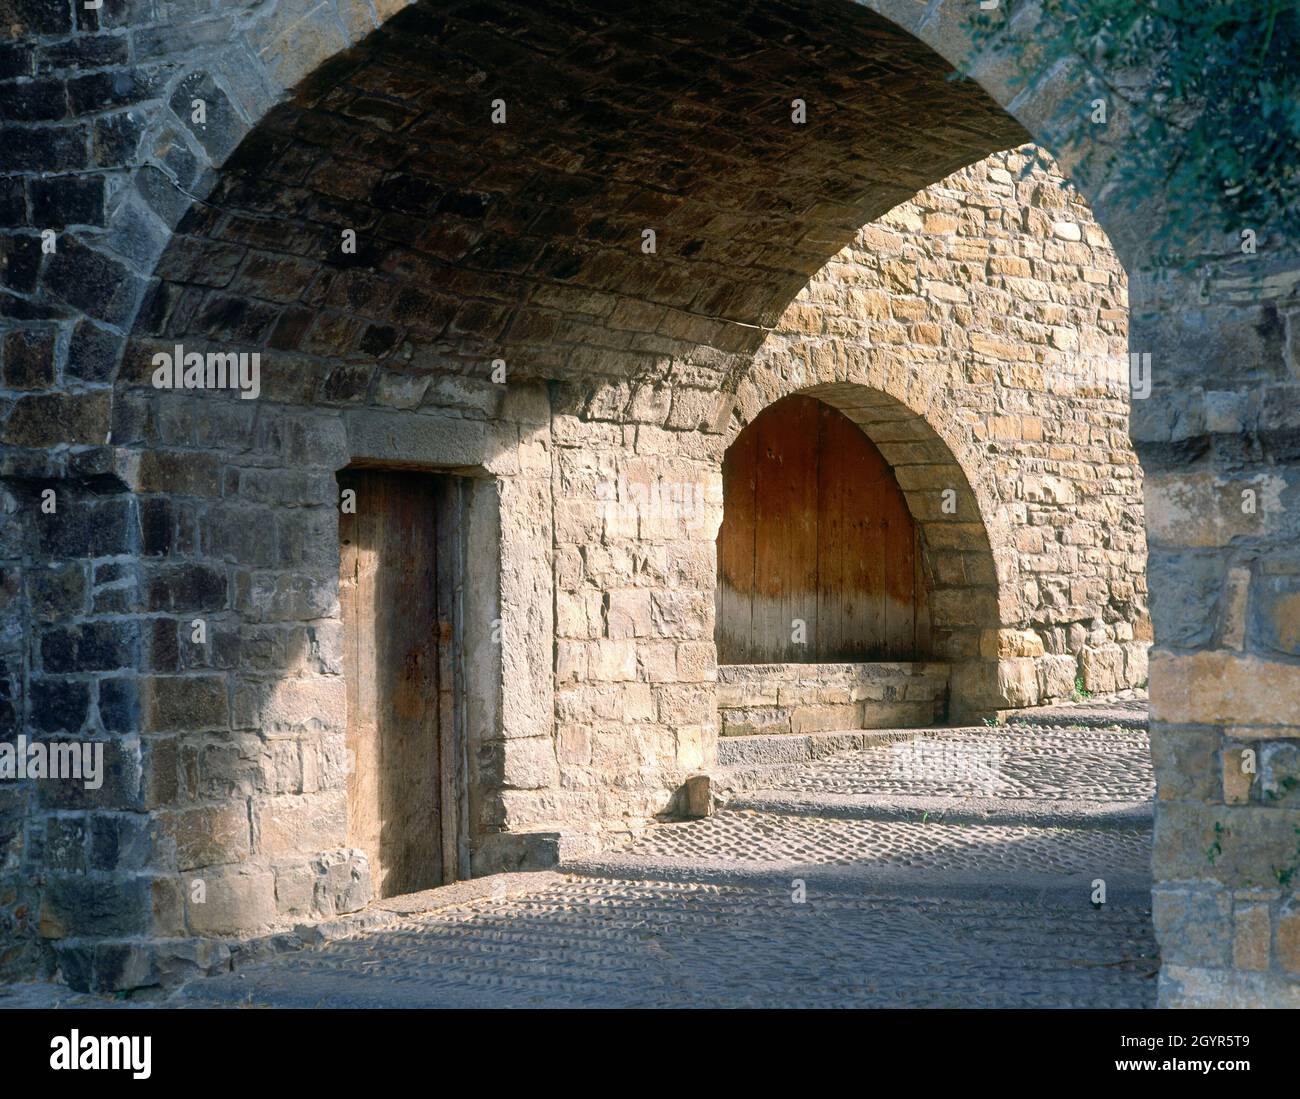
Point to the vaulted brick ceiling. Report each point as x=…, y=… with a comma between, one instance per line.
x=525, y=239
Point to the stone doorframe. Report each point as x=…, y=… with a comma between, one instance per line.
x=502, y=582
x=504, y=592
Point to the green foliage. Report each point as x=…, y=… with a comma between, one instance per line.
x=1216, y=848
x=1286, y=874
x=1080, y=691
x=1283, y=787
x=1214, y=90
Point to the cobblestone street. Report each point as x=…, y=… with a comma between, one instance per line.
x=953, y=869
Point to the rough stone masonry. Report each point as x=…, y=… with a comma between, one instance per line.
x=192, y=173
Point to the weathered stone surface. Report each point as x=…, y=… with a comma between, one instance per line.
x=1227, y=688
x=802, y=698
x=235, y=900
x=974, y=331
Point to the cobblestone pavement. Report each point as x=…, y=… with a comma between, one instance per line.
x=874, y=878
x=593, y=942
x=954, y=849
x=1019, y=762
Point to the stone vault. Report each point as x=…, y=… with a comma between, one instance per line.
x=498, y=172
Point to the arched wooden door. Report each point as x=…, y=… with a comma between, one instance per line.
x=815, y=531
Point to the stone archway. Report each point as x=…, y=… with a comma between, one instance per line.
x=427, y=283
x=549, y=277
x=964, y=315
x=962, y=596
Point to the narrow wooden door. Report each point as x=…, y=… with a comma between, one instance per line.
x=818, y=555
x=388, y=596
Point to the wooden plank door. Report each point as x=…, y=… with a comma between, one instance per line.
x=785, y=550
x=814, y=527
x=735, y=583
x=388, y=597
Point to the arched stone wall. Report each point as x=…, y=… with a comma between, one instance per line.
x=983, y=326
x=110, y=156
x=477, y=244
x=964, y=596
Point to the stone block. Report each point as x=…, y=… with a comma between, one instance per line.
x=1242, y=846
x=206, y=835
x=817, y=719
x=1252, y=937
x=1194, y=925
x=119, y=966
x=99, y=906
x=1184, y=761
x=897, y=715
x=1056, y=675
x=611, y=661
x=28, y=358
x=1184, y=603
x=221, y=128
x=697, y=661
x=699, y=796
x=573, y=745
x=1237, y=781
x=1275, y=614
x=1288, y=936
x=1279, y=772
x=50, y=419
x=291, y=707
x=343, y=882
x=1219, y=687
x=530, y=763
x=755, y=721
x=627, y=613
x=1206, y=510
x=1102, y=669
x=684, y=703
x=695, y=745
x=90, y=647
x=289, y=824
x=1018, y=682
x=59, y=705
x=167, y=904
x=295, y=889
x=234, y=900
x=191, y=703
x=1000, y=644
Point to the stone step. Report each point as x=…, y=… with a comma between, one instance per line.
x=753, y=762
x=727, y=782
x=1003, y=763
x=1122, y=714
x=1075, y=889
x=1033, y=812
x=773, y=748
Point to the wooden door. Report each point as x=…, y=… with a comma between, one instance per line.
x=815, y=530
x=388, y=597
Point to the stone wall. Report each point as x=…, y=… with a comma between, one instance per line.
x=768, y=699
x=524, y=241
x=994, y=310
x=983, y=348
x=1222, y=491
x=586, y=720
